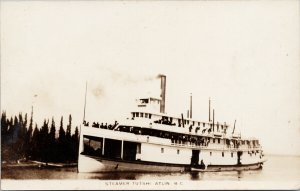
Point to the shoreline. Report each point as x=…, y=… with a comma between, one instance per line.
x=40, y=164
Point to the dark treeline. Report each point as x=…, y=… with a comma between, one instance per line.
x=21, y=139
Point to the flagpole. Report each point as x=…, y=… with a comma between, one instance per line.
x=84, y=102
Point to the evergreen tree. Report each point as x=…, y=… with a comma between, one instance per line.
x=28, y=138
x=4, y=133
x=20, y=143
x=68, y=146
x=61, y=142
x=4, y=128
x=44, y=141
x=35, y=144
x=69, y=126
x=75, y=144
x=52, y=142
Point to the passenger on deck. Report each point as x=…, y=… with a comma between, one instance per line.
x=190, y=128
x=101, y=126
x=105, y=126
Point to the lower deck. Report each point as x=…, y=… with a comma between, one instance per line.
x=101, y=164
x=131, y=152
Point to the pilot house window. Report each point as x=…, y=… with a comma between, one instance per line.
x=162, y=150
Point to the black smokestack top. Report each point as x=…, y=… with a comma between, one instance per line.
x=163, y=81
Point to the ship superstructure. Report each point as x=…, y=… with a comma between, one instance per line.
x=151, y=140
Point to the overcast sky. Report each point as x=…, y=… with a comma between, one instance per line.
x=242, y=54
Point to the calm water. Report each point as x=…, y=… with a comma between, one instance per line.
x=277, y=168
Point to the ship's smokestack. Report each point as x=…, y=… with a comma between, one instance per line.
x=191, y=106
x=163, y=92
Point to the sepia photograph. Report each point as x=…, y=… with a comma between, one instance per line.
x=150, y=95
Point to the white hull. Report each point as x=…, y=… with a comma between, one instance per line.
x=98, y=164
x=90, y=164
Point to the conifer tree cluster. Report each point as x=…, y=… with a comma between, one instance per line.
x=23, y=140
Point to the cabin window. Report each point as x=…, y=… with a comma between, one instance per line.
x=231, y=155
x=210, y=153
x=213, y=140
x=146, y=115
x=219, y=141
x=198, y=123
x=133, y=114
x=162, y=150
x=222, y=154
x=138, y=148
x=193, y=122
x=137, y=114
x=178, y=151
x=149, y=116
x=142, y=114
x=203, y=124
x=92, y=145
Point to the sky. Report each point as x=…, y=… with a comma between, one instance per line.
x=244, y=55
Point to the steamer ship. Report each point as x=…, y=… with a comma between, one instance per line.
x=152, y=141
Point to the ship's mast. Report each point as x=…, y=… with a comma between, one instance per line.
x=84, y=102
x=213, y=120
x=191, y=106
x=209, y=109
x=234, y=127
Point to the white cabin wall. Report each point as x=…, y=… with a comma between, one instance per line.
x=216, y=157
x=250, y=159
x=151, y=152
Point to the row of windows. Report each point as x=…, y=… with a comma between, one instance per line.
x=162, y=150
x=222, y=154
x=137, y=114
x=186, y=122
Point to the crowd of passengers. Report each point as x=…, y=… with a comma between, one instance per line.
x=102, y=126
x=175, y=138
x=169, y=121
x=165, y=121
